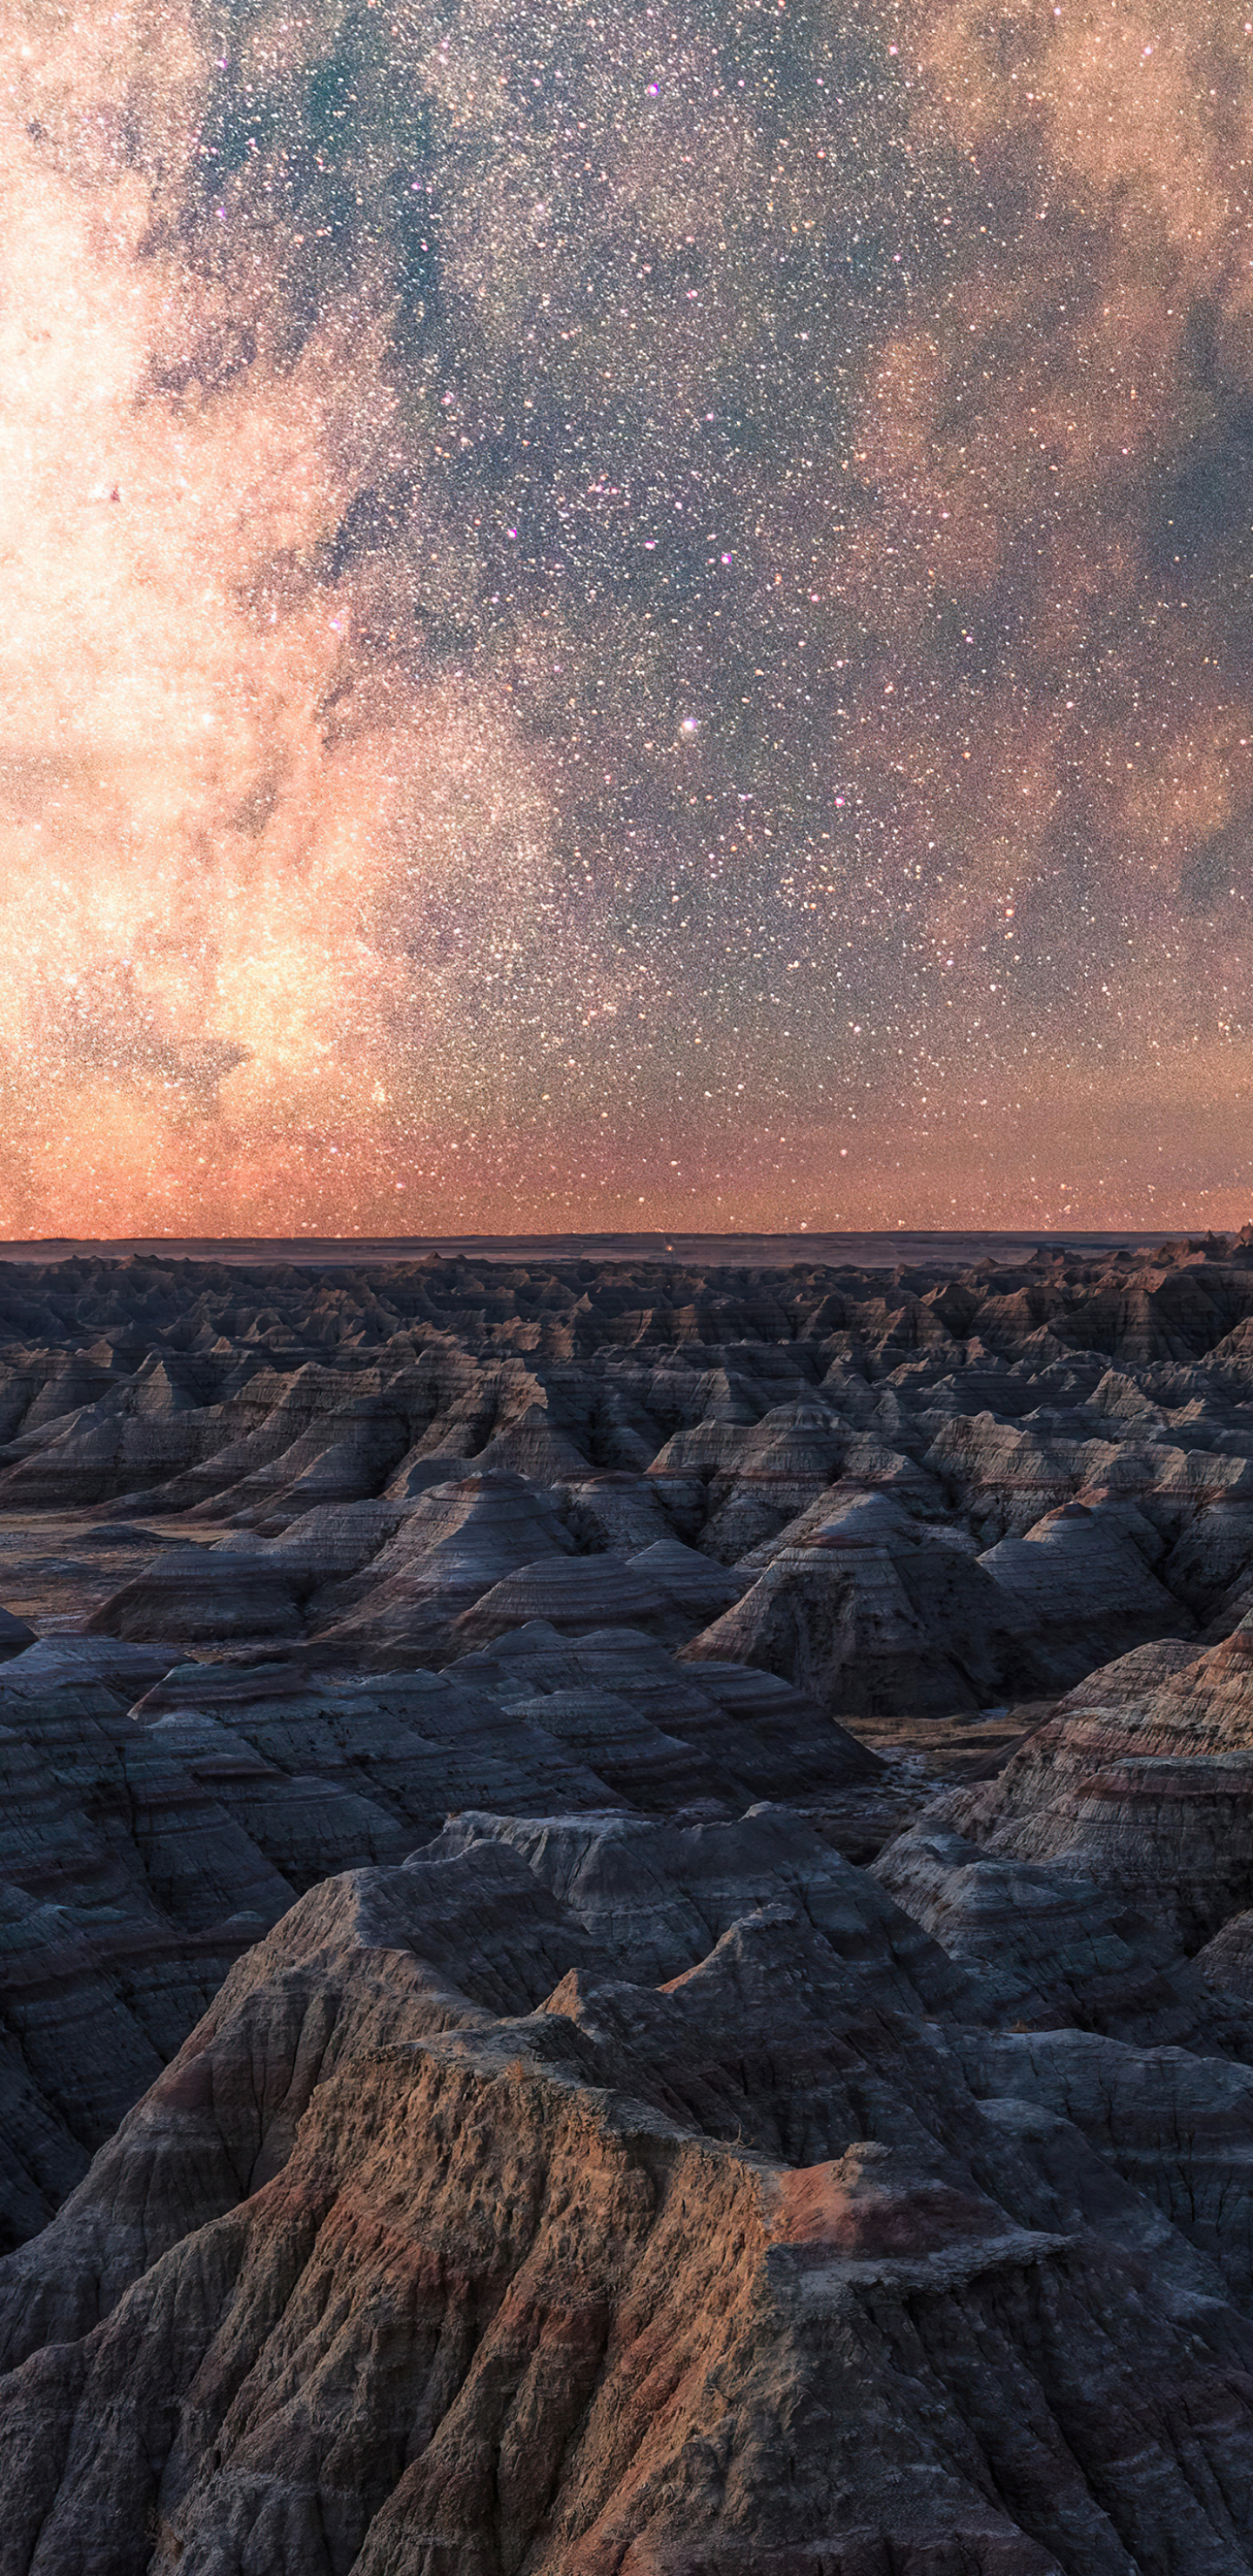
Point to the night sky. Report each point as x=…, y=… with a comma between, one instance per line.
x=625, y=616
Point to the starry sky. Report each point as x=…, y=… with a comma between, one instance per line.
x=625, y=616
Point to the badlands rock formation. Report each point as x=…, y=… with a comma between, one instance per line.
x=463, y=2105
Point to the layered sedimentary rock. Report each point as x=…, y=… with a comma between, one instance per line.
x=133, y=1870
x=1080, y=1585
x=1144, y=1787
x=790, y=2260
x=642, y=1407
x=144, y=1846
x=870, y=1611
x=460, y=2107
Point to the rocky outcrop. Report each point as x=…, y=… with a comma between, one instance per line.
x=453, y=1545
x=126, y=1892
x=714, y=1410
x=1079, y=1588
x=195, y=1596
x=459, y=2107
x=446, y=1942
x=1056, y=1948
x=625, y=2277
x=574, y=1595
x=1148, y=1793
x=143, y=1849
x=861, y=1606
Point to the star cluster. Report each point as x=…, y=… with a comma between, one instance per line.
x=625, y=616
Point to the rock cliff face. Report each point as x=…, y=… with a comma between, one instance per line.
x=423, y=2253
x=461, y=2104
x=1147, y=1791
x=142, y=1850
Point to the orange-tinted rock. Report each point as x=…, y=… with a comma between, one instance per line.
x=612, y=2178
x=635, y=2272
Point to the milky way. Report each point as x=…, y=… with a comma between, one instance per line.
x=633, y=616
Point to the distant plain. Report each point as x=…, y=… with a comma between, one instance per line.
x=884, y=1251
